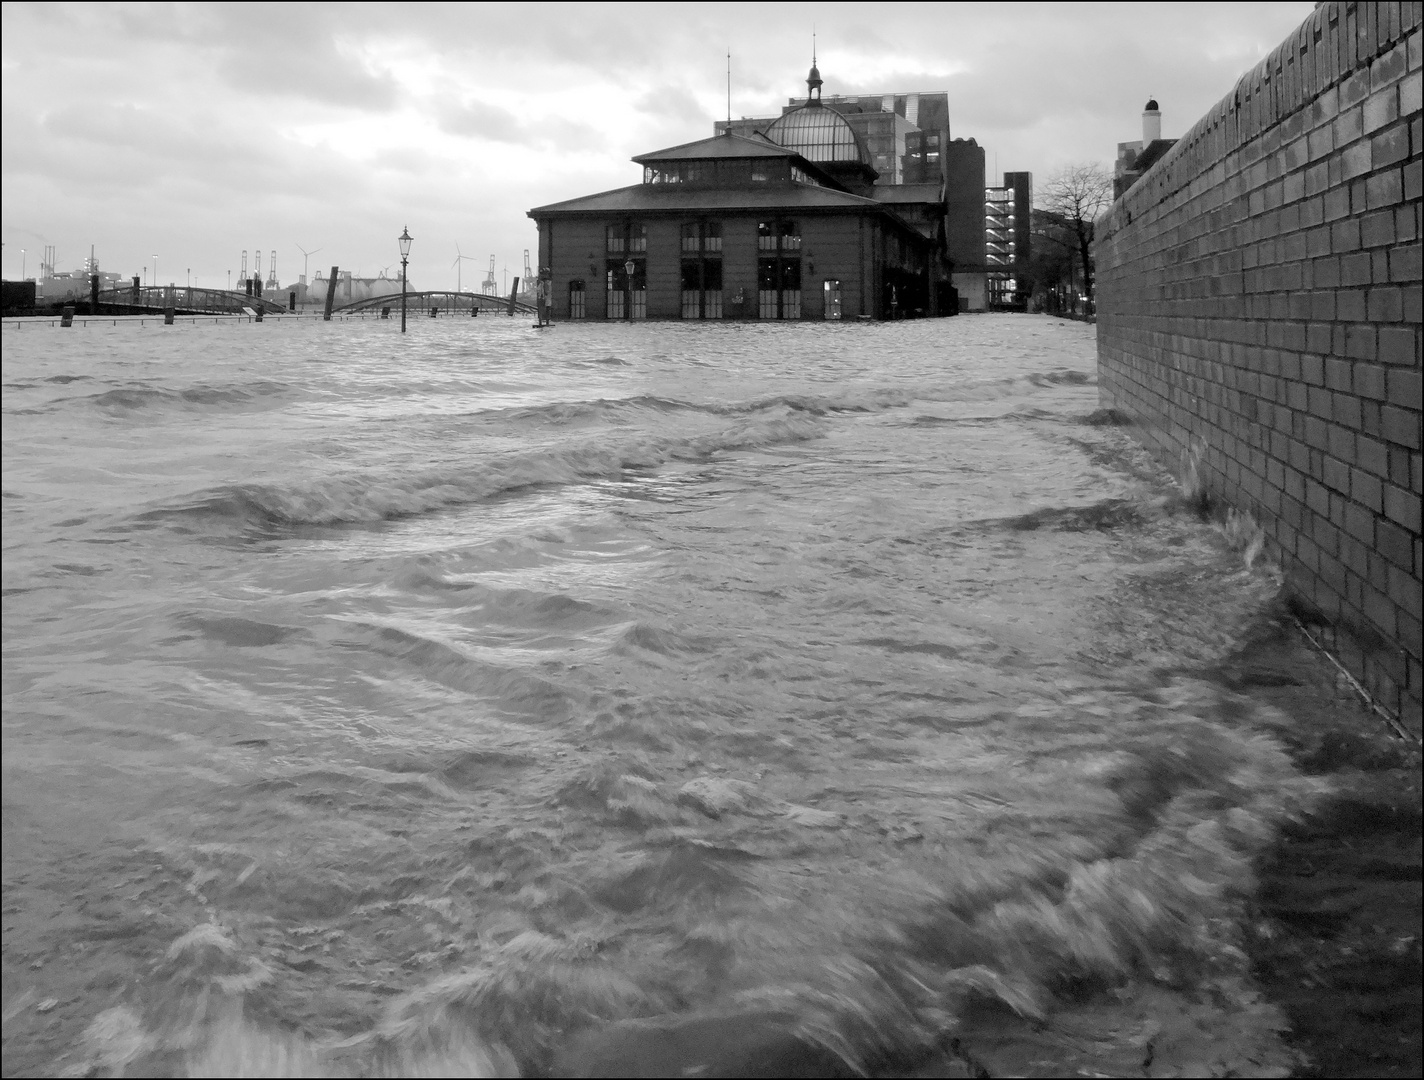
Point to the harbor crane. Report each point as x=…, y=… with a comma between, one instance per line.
x=490, y=286
x=528, y=271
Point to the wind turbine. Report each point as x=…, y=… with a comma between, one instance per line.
x=458, y=264
x=305, y=255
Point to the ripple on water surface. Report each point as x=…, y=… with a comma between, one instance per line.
x=612, y=698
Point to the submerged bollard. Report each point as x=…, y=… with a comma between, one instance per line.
x=168, y=314
x=434, y=312
x=385, y=312
x=330, y=294
x=66, y=317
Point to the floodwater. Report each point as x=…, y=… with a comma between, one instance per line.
x=443, y=702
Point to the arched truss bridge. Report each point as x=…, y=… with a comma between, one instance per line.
x=187, y=301
x=444, y=303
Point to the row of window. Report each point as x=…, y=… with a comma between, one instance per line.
x=724, y=173
x=632, y=237
x=778, y=292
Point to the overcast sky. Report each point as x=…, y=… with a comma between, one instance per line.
x=192, y=132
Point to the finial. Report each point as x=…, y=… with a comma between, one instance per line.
x=813, y=80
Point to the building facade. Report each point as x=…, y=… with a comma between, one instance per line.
x=786, y=224
x=1007, y=238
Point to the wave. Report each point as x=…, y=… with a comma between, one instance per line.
x=126, y=399
x=852, y=399
x=360, y=498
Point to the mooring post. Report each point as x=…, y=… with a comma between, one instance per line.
x=512, y=294
x=66, y=317
x=330, y=294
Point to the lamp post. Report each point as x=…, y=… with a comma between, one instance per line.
x=404, y=240
x=155, y=271
x=628, y=268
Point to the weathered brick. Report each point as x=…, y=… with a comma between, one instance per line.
x=1400, y=344
x=1355, y=269
x=1385, y=304
x=1401, y=426
x=1356, y=160
x=1405, y=388
x=1394, y=544
x=1367, y=380
x=1406, y=262
x=1384, y=189
x=1402, y=507
x=1410, y=98
x=1380, y=109
x=1390, y=147
x=1366, y=490
x=1372, y=455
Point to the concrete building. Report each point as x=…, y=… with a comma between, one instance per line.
x=789, y=222
x=1008, y=231
x=1135, y=158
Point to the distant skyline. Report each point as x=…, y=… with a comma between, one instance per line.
x=193, y=131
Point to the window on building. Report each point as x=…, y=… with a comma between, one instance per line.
x=578, y=309
x=627, y=295
x=831, y=296
x=702, y=270
x=779, y=270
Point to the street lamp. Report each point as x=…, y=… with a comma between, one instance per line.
x=155, y=271
x=628, y=268
x=404, y=240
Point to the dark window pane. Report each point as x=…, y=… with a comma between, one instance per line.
x=766, y=274
x=791, y=273
x=691, y=275
x=712, y=274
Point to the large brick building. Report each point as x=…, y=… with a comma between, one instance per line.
x=786, y=224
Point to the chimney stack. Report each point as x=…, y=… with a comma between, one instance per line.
x=1151, y=123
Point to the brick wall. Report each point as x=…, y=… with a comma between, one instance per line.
x=1259, y=313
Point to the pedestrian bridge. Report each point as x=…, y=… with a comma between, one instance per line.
x=437, y=302
x=185, y=300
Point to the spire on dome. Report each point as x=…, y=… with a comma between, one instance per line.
x=813, y=80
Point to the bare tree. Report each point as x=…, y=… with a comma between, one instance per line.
x=1077, y=195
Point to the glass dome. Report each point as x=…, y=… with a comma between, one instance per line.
x=818, y=134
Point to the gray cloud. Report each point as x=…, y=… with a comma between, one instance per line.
x=195, y=130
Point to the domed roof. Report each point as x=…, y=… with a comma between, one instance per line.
x=1151, y=105
x=818, y=134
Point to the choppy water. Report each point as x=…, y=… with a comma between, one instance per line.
x=455, y=694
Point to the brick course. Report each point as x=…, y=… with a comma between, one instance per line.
x=1259, y=309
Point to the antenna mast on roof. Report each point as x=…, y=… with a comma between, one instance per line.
x=729, y=91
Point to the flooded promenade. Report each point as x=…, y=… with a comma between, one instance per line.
x=634, y=697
